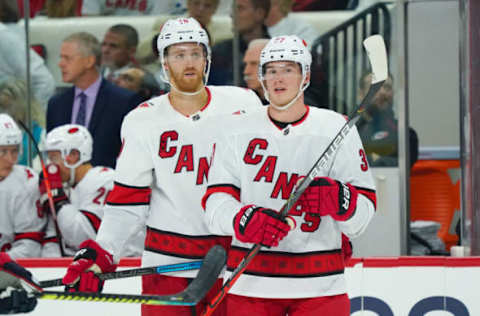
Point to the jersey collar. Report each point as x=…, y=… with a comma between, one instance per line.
x=287, y=125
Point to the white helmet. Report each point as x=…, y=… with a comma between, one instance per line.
x=10, y=134
x=285, y=48
x=68, y=137
x=182, y=30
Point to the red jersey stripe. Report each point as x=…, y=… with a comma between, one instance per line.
x=289, y=265
x=93, y=219
x=369, y=194
x=36, y=236
x=223, y=188
x=50, y=239
x=128, y=195
x=184, y=246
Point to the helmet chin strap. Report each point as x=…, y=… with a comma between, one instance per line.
x=71, y=181
x=289, y=104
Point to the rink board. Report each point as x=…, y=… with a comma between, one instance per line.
x=413, y=286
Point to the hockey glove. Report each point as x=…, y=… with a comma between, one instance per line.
x=13, y=296
x=56, y=186
x=260, y=225
x=90, y=260
x=325, y=196
x=347, y=248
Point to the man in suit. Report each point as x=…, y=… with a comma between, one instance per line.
x=92, y=101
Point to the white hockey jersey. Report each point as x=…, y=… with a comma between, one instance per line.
x=161, y=175
x=21, y=224
x=258, y=163
x=80, y=219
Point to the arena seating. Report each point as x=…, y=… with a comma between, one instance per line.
x=51, y=32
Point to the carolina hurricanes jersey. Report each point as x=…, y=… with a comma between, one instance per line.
x=258, y=163
x=161, y=176
x=80, y=219
x=21, y=225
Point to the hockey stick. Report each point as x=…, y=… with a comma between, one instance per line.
x=133, y=272
x=212, y=266
x=377, y=55
x=49, y=190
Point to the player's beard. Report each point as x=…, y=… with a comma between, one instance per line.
x=187, y=84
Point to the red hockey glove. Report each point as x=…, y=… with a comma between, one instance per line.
x=260, y=226
x=347, y=248
x=325, y=196
x=13, y=295
x=56, y=186
x=90, y=260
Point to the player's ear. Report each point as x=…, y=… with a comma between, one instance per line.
x=307, y=78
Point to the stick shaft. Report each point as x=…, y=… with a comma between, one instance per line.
x=325, y=157
x=53, y=212
x=134, y=272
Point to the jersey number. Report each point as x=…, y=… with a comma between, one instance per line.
x=101, y=197
x=311, y=221
x=364, y=164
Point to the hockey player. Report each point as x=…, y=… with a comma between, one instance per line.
x=21, y=225
x=79, y=208
x=257, y=165
x=162, y=170
x=15, y=296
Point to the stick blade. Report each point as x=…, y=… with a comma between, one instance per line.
x=377, y=54
x=212, y=266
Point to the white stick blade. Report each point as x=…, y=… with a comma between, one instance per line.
x=377, y=54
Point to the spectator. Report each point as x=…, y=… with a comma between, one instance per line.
x=250, y=16
x=12, y=55
x=20, y=223
x=92, y=101
x=251, y=61
x=378, y=127
x=13, y=101
x=118, y=50
x=139, y=81
x=80, y=210
x=144, y=7
x=202, y=10
x=63, y=8
x=281, y=22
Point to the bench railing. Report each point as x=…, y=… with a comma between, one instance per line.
x=339, y=59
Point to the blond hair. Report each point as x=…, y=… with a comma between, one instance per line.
x=13, y=101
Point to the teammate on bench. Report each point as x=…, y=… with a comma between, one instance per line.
x=80, y=207
x=257, y=164
x=161, y=173
x=21, y=224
